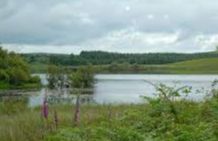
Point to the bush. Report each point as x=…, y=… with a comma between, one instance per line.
x=82, y=78
x=96, y=134
x=18, y=76
x=35, y=79
x=4, y=76
x=14, y=71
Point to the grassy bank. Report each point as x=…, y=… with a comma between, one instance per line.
x=6, y=86
x=159, y=120
x=199, y=66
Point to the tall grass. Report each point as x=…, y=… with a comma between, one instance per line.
x=24, y=126
x=161, y=119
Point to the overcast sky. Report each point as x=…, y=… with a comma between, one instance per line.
x=69, y=26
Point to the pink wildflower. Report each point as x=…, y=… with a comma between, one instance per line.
x=45, y=108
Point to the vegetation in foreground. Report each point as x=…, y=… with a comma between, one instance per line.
x=161, y=119
x=14, y=72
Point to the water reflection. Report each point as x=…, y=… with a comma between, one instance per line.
x=122, y=89
x=84, y=99
x=60, y=96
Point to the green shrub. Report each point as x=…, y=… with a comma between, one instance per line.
x=96, y=134
x=82, y=78
x=35, y=79
x=12, y=105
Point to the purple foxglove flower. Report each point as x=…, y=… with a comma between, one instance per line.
x=45, y=108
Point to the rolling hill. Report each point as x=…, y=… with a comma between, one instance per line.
x=198, y=66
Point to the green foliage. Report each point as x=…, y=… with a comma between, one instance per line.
x=57, y=76
x=82, y=78
x=11, y=105
x=21, y=125
x=53, y=75
x=17, y=76
x=14, y=71
x=100, y=58
x=4, y=85
x=105, y=62
x=35, y=79
x=4, y=76
x=162, y=119
x=197, y=122
x=106, y=58
x=97, y=134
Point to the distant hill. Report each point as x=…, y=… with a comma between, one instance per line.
x=106, y=62
x=105, y=58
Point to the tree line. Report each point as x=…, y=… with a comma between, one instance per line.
x=105, y=58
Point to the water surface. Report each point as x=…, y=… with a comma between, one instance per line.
x=126, y=88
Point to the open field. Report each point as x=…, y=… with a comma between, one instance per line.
x=198, y=66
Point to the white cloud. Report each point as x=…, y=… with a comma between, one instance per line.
x=127, y=8
x=166, y=16
x=28, y=48
x=131, y=40
x=207, y=42
x=100, y=24
x=150, y=16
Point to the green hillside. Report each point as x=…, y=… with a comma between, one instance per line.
x=199, y=66
x=107, y=58
x=196, y=66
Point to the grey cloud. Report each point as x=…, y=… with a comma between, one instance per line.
x=75, y=23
